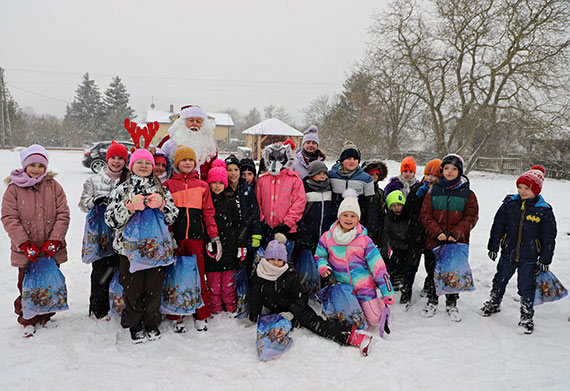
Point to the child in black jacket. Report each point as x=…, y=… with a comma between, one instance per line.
x=276, y=286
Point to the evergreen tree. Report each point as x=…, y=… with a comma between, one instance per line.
x=116, y=109
x=85, y=113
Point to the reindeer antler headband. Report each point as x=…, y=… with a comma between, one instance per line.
x=136, y=132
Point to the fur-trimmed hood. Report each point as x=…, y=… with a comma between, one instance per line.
x=376, y=164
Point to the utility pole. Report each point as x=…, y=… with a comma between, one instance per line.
x=4, y=111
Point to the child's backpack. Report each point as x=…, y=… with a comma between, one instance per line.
x=452, y=272
x=305, y=265
x=116, y=299
x=181, y=294
x=548, y=288
x=43, y=289
x=147, y=241
x=97, y=237
x=273, y=336
x=242, y=287
x=339, y=302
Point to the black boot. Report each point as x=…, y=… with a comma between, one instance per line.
x=137, y=334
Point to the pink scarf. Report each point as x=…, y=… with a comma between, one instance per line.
x=21, y=179
x=269, y=272
x=111, y=174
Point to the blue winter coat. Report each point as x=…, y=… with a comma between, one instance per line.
x=524, y=229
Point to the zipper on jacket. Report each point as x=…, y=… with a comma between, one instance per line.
x=187, y=209
x=519, y=239
x=322, y=214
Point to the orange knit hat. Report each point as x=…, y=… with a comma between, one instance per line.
x=408, y=164
x=432, y=168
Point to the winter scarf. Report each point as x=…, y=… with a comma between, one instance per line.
x=309, y=157
x=343, y=238
x=345, y=173
x=450, y=185
x=20, y=178
x=319, y=186
x=113, y=175
x=269, y=272
x=407, y=183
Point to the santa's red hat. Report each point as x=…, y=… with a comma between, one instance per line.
x=533, y=178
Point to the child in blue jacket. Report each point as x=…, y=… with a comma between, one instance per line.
x=525, y=229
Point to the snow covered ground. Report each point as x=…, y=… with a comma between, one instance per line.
x=420, y=354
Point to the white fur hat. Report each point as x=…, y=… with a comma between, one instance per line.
x=193, y=112
x=350, y=203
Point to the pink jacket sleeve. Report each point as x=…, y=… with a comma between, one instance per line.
x=298, y=201
x=11, y=219
x=61, y=214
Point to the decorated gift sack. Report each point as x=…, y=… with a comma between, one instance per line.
x=116, y=300
x=98, y=237
x=307, y=268
x=548, y=288
x=273, y=336
x=181, y=294
x=338, y=302
x=452, y=272
x=43, y=289
x=242, y=286
x=147, y=241
x=259, y=254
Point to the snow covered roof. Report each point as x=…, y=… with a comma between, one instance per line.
x=273, y=127
x=163, y=117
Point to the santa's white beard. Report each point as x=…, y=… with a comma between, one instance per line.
x=202, y=141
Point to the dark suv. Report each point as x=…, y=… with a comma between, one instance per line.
x=94, y=156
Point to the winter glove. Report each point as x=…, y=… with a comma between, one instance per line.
x=541, y=267
x=50, y=247
x=210, y=248
x=101, y=200
x=388, y=300
x=135, y=203
x=255, y=241
x=282, y=228
x=31, y=251
x=492, y=255
x=155, y=201
x=242, y=252
x=287, y=315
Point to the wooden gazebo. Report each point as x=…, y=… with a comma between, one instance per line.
x=269, y=131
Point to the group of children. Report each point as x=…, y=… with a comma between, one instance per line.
x=361, y=235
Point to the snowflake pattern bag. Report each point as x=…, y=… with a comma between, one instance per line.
x=307, y=268
x=452, y=272
x=43, y=289
x=273, y=336
x=98, y=237
x=339, y=302
x=116, y=299
x=147, y=241
x=181, y=294
x=242, y=287
x=548, y=288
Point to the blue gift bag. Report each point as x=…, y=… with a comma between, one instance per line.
x=97, y=237
x=452, y=272
x=548, y=288
x=273, y=336
x=242, y=286
x=116, y=299
x=338, y=302
x=307, y=268
x=147, y=241
x=181, y=294
x=259, y=254
x=43, y=289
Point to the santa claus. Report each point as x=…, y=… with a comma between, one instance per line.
x=193, y=129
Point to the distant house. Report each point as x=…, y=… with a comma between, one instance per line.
x=267, y=132
x=222, y=132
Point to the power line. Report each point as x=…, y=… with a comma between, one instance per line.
x=36, y=93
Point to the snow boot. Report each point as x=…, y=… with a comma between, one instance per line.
x=429, y=310
x=201, y=325
x=152, y=333
x=48, y=324
x=178, y=326
x=360, y=340
x=29, y=331
x=137, y=334
x=526, y=324
x=489, y=308
x=453, y=313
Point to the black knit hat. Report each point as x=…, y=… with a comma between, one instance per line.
x=247, y=164
x=232, y=159
x=349, y=150
x=454, y=159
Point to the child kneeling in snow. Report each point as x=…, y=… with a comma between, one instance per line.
x=346, y=253
x=276, y=286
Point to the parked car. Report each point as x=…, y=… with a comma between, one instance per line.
x=94, y=156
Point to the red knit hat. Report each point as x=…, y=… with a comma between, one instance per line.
x=432, y=168
x=119, y=150
x=533, y=179
x=408, y=164
x=218, y=172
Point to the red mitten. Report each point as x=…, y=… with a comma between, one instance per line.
x=388, y=300
x=135, y=203
x=154, y=201
x=50, y=247
x=31, y=251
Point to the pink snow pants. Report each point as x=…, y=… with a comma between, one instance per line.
x=373, y=310
x=222, y=290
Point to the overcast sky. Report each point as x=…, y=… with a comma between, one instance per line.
x=217, y=54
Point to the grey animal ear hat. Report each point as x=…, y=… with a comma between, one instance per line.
x=311, y=134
